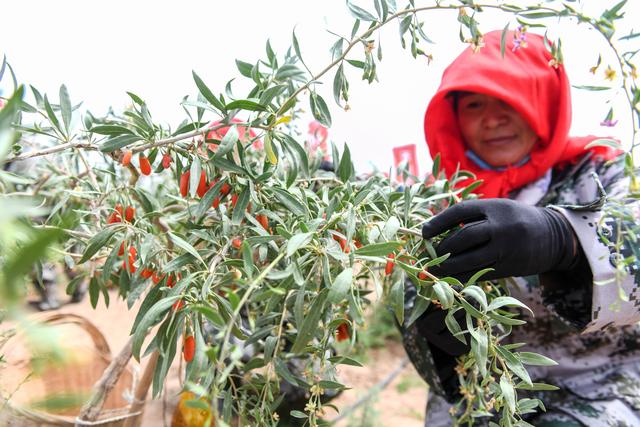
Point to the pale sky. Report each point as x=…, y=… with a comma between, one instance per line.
x=101, y=50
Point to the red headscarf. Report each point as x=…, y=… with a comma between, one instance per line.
x=524, y=79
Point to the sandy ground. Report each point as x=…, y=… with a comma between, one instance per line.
x=401, y=403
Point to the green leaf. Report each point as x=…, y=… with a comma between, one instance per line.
x=320, y=110
x=241, y=206
x=344, y=360
x=476, y=293
x=396, y=300
x=298, y=241
x=289, y=72
x=186, y=246
x=506, y=301
x=245, y=104
x=338, y=81
x=311, y=322
x=152, y=316
x=454, y=326
x=379, y=249
x=268, y=148
x=206, y=92
x=444, y=293
x=97, y=242
x=360, y=13
x=341, y=286
x=536, y=386
x=289, y=201
x=503, y=39
x=65, y=107
x=514, y=364
x=535, y=359
x=52, y=116
x=22, y=260
x=592, y=88
x=345, y=169
x=508, y=393
x=228, y=142
x=118, y=142
x=110, y=130
x=94, y=292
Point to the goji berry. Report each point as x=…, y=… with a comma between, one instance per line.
x=423, y=275
x=121, y=250
x=171, y=280
x=236, y=243
x=115, y=216
x=184, y=183
x=263, y=221
x=342, y=332
x=129, y=213
x=189, y=348
x=202, y=185
x=226, y=189
x=177, y=305
x=146, y=273
x=216, y=203
x=357, y=244
x=126, y=158
x=234, y=200
x=156, y=278
x=166, y=161
x=390, y=264
x=145, y=166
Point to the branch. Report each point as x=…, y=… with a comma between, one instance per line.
x=101, y=389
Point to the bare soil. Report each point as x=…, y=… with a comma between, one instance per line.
x=401, y=403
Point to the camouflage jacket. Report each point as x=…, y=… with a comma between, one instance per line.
x=591, y=331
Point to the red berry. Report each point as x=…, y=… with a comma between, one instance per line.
x=216, y=203
x=226, y=189
x=234, y=200
x=184, y=183
x=189, y=348
x=147, y=273
x=121, y=250
x=236, y=243
x=177, y=305
x=342, y=332
x=166, y=161
x=126, y=158
x=390, y=264
x=145, y=166
x=423, y=275
x=171, y=281
x=263, y=221
x=129, y=213
x=202, y=185
x=157, y=278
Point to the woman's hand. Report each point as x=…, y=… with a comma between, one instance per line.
x=512, y=238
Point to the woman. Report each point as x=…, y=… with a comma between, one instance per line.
x=538, y=219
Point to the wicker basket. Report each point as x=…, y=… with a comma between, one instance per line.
x=21, y=388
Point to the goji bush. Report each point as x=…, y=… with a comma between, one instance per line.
x=245, y=254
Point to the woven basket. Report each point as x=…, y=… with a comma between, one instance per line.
x=21, y=388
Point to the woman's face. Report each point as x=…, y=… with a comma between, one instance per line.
x=493, y=130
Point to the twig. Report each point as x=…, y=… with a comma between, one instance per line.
x=105, y=384
x=409, y=231
x=372, y=392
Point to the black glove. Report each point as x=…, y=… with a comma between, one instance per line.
x=512, y=238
